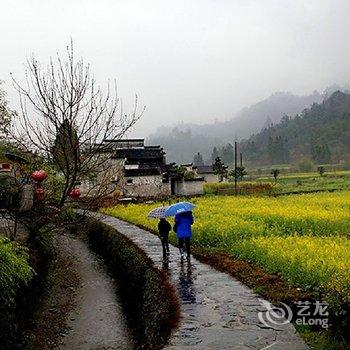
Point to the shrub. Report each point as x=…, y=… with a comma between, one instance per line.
x=148, y=298
x=243, y=188
x=306, y=165
x=275, y=173
x=321, y=170
x=44, y=244
x=15, y=273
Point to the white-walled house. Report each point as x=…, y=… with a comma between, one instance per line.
x=144, y=183
x=189, y=187
x=137, y=170
x=207, y=172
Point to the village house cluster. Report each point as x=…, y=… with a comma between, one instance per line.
x=137, y=170
x=134, y=170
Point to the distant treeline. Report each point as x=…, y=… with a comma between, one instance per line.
x=225, y=153
x=320, y=133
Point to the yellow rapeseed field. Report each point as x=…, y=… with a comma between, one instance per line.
x=304, y=238
x=311, y=262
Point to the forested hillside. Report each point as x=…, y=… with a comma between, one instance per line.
x=186, y=139
x=320, y=133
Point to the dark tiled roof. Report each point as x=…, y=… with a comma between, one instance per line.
x=169, y=167
x=142, y=153
x=195, y=179
x=160, y=167
x=152, y=147
x=146, y=165
x=204, y=169
x=125, y=140
x=142, y=172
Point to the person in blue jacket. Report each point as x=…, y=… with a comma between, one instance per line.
x=183, y=230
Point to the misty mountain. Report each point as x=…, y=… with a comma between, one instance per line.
x=320, y=133
x=186, y=139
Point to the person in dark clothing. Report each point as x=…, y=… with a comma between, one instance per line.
x=164, y=228
x=182, y=227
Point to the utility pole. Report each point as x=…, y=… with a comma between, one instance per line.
x=241, y=161
x=235, y=168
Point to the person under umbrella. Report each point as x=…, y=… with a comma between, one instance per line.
x=164, y=229
x=183, y=230
x=183, y=222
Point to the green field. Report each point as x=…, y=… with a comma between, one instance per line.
x=308, y=182
x=285, y=184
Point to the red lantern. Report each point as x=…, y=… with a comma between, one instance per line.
x=74, y=193
x=39, y=175
x=5, y=166
x=40, y=194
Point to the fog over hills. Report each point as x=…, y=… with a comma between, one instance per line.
x=183, y=140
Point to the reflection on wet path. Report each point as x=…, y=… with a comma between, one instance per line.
x=186, y=287
x=218, y=312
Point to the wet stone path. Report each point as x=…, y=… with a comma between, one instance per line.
x=218, y=312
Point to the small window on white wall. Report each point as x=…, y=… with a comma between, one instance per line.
x=129, y=181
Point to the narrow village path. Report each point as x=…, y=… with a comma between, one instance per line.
x=97, y=321
x=218, y=312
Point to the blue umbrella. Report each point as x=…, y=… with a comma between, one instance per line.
x=178, y=208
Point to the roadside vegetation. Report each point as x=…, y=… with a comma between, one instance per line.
x=150, y=301
x=23, y=272
x=15, y=274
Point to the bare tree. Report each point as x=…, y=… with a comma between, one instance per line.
x=69, y=118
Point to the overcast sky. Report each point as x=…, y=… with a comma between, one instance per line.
x=193, y=60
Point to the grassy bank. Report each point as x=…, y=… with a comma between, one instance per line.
x=15, y=274
x=23, y=271
x=149, y=300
